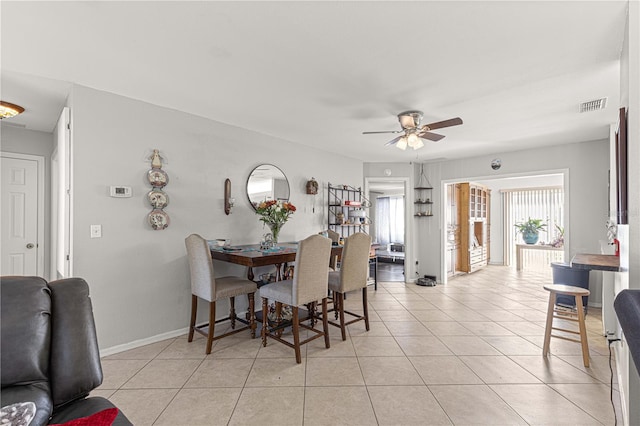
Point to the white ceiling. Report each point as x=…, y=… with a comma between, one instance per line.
x=321, y=73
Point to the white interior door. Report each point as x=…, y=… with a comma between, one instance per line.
x=22, y=216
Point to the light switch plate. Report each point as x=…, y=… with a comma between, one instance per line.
x=96, y=231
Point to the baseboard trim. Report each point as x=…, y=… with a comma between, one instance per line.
x=620, y=352
x=152, y=339
x=143, y=342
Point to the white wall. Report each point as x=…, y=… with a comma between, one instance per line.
x=630, y=249
x=586, y=192
x=138, y=277
x=23, y=141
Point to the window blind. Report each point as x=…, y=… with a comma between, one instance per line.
x=536, y=203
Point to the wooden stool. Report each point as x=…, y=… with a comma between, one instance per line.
x=553, y=312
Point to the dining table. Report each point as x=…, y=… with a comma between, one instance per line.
x=252, y=256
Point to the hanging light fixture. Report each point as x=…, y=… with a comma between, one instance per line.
x=8, y=110
x=412, y=140
x=402, y=143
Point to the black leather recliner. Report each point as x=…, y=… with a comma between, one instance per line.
x=49, y=349
x=627, y=307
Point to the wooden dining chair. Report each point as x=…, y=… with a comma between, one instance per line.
x=353, y=275
x=335, y=238
x=309, y=284
x=206, y=286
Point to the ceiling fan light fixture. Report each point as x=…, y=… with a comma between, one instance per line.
x=402, y=143
x=412, y=140
x=414, y=133
x=8, y=110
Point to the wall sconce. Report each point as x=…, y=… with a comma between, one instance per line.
x=228, y=201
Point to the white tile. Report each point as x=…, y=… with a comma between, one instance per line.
x=344, y=405
x=475, y=405
x=540, y=404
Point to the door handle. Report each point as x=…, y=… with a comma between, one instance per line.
x=30, y=245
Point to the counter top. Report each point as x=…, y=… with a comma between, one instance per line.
x=599, y=262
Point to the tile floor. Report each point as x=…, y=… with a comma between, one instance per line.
x=390, y=272
x=466, y=353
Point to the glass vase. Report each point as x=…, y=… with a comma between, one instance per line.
x=275, y=231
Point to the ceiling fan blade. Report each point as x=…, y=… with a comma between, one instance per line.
x=393, y=141
x=384, y=131
x=431, y=136
x=446, y=123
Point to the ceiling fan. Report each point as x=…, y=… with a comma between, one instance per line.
x=414, y=132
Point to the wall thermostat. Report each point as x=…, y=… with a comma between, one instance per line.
x=120, y=191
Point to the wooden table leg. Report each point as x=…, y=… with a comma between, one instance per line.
x=278, y=273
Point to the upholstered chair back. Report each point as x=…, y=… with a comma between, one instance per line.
x=354, y=268
x=310, y=277
x=333, y=236
x=203, y=283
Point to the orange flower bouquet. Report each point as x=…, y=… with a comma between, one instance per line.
x=275, y=214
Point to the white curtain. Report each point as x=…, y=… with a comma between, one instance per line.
x=537, y=203
x=390, y=220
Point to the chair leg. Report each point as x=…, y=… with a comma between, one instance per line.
x=583, y=331
x=278, y=318
x=325, y=323
x=547, y=330
x=343, y=330
x=374, y=261
x=212, y=325
x=252, y=314
x=365, y=307
x=265, y=321
x=295, y=328
x=194, y=311
x=313, y=313
x=232, y=311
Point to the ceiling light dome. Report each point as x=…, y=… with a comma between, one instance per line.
x=8, y=110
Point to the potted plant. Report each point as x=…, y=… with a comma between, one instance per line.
x=559, y=241
x=530, y=229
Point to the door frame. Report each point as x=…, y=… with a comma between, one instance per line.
x=40, y=246
x=565, y=179
x=408, y=219
x=61, y=199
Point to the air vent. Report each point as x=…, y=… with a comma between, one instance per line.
x=594, y=105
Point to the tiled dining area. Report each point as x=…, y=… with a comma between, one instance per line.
x=466, y=353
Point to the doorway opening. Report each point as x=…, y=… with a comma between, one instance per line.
x=496, y=236
x=388, y=212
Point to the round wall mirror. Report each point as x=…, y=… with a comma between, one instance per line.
x=267, y=182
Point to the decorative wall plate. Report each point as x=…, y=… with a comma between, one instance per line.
x=158, y=178
x=158, y=199
x=158, y=219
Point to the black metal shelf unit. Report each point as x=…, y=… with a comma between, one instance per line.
x=347, y=210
